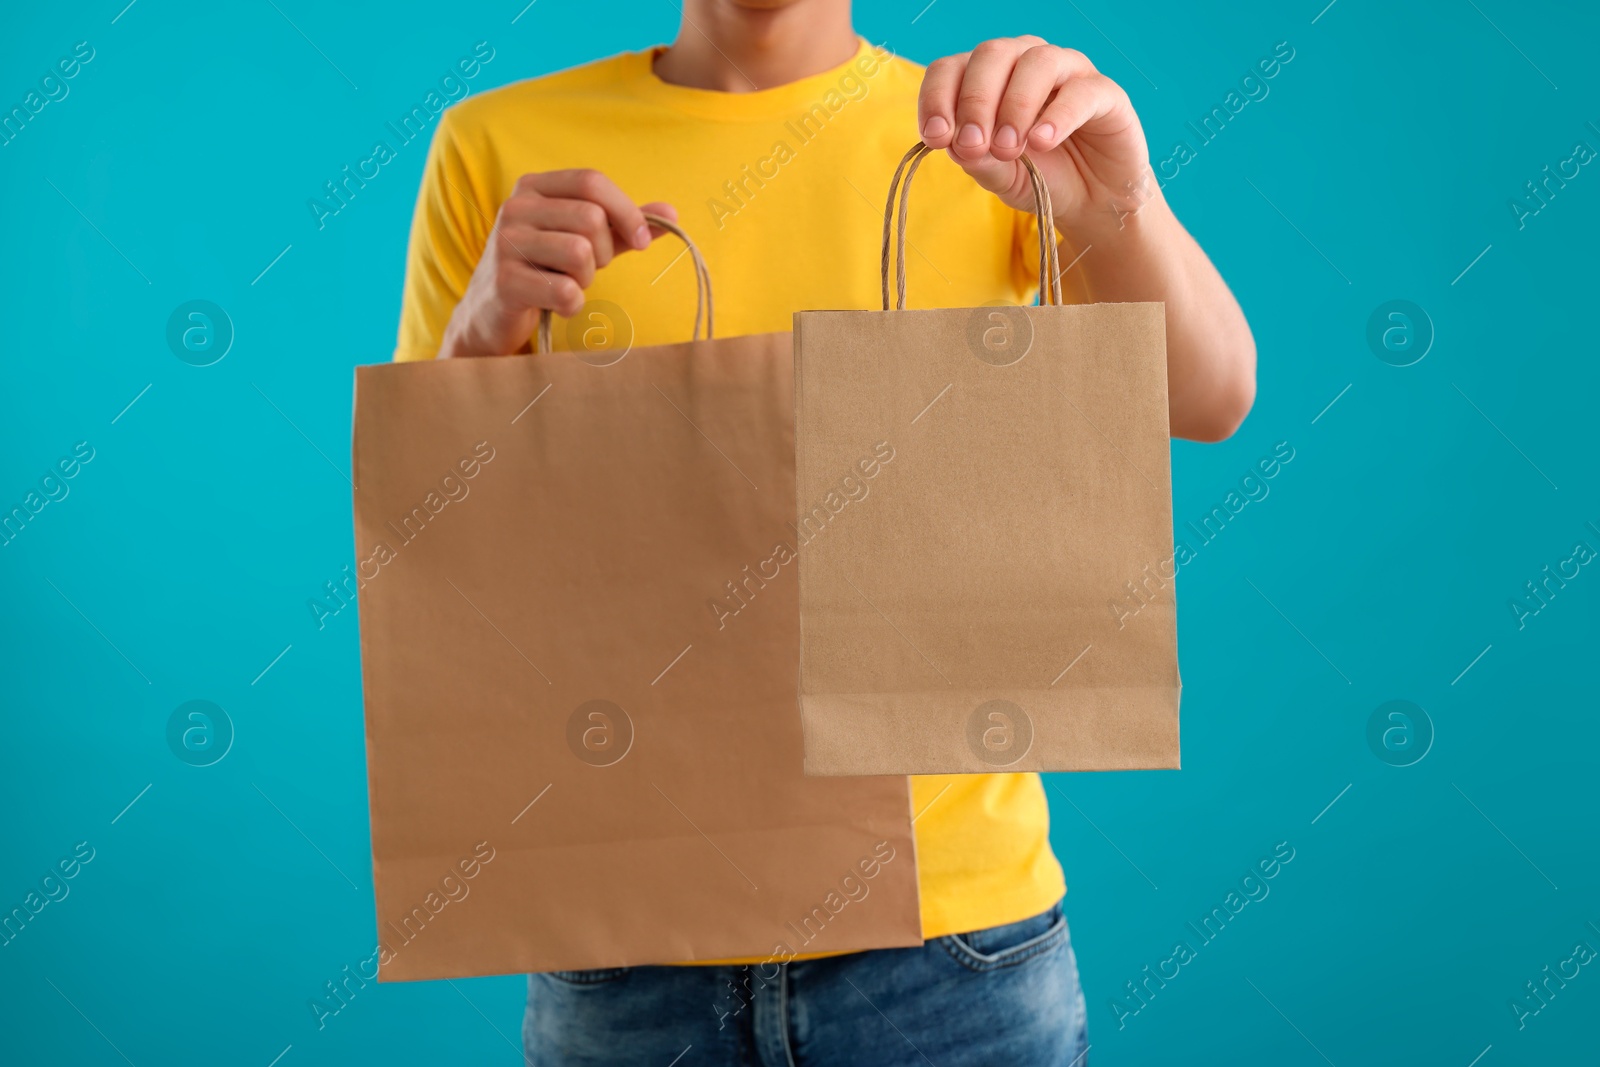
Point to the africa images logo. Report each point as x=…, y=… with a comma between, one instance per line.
x=999, y=732
x=599, y=733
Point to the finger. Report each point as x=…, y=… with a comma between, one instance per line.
x=548, y=251
x=1093, y=104
x=1007, y=179
x=1038, y=73
x=524, y=285
x=626, y=218
x=666, y=211
x=936, y=103
x=582, y=217
x=559, y=293
x=984, y=83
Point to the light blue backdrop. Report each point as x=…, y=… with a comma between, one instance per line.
x=1381, y=166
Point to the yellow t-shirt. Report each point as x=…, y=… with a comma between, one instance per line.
x=782, y=190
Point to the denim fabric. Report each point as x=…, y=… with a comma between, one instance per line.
x=1006, y=996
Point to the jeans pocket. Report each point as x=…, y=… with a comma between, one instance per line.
x=592, y=977
x=1009, y=945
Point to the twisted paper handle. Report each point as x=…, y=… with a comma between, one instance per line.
x=702, y=289
x=894, y=229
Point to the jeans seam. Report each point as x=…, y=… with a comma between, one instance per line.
x=783, y=1013
x=601, y=976
x=971, y=958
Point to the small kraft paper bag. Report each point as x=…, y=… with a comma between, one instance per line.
x=572, y=762
x=1003, y=600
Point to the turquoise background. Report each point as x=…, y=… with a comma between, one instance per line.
x=1379, y=567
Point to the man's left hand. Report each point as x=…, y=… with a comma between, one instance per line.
x=1017, y=94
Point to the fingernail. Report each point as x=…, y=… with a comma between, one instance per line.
x=936, y=127
x=641, y=237
x=971, y=136
x=1005, y=137
x=1044, y=131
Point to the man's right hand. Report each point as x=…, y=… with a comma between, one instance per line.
x=549, y=238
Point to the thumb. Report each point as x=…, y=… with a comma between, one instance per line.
x=1007, y=179
x=665, y=210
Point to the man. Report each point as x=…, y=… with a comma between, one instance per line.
x=768, y=131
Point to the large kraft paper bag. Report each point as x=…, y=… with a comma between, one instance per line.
x=999, y=596
x=572, y=762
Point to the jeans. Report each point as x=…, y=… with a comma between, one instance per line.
x=1007, y=996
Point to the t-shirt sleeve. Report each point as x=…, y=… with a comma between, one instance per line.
x=449, y=231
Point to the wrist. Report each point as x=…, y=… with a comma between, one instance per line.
x=460, y=341
x=1130, y=254
x=450, y=347
x=1111, y=210
x=1117, y=224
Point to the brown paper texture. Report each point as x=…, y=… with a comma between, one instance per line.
x=549, y=684
x=959, y=609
